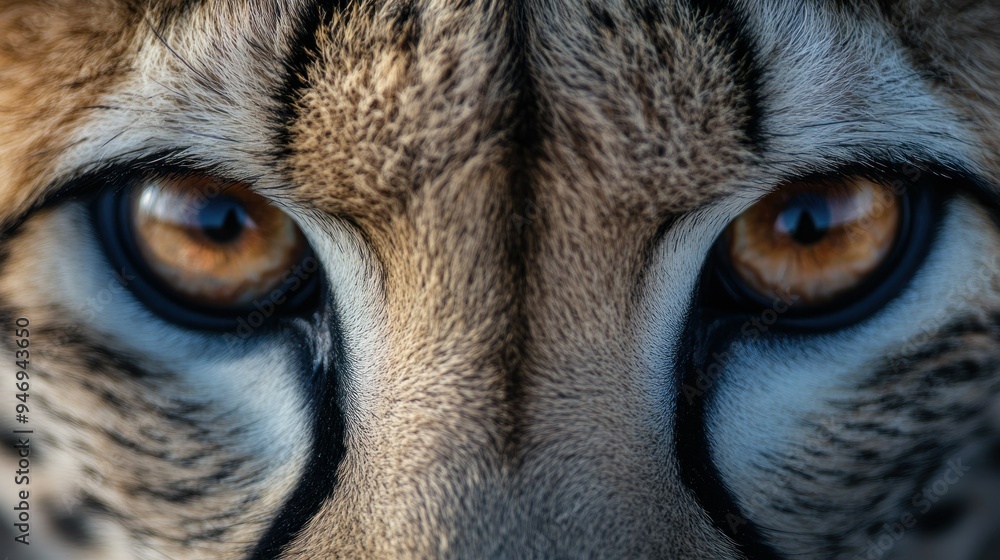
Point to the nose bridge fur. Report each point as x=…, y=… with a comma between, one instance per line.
x=509, y=190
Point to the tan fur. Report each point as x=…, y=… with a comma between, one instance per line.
x=56, y=59
x=525, y=193
x=411, y=138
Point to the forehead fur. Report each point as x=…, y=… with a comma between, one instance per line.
x=401, y=93
x=82, y=83
x=509, y=162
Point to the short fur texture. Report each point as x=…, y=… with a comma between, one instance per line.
x=512, y=202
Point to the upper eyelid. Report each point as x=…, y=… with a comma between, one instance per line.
x=877, y=169
x=889, y=171
x=121, y=174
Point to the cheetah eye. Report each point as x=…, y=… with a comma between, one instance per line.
x=815, y=241
x=206, y=252
x=831, y=252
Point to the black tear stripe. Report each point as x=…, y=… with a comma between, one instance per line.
x=694, y=456
x=320, y=475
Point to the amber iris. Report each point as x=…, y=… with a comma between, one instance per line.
x=215, y=244
x=815, y=241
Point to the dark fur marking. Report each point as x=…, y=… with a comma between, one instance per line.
x=405, y=18
x=320, y=477
x=8, y=440
x=698, y=470
x=297, y=65
x=943, y=516
x=731, y=27
x=74, y=527
x=525, y=137
x=602, y=17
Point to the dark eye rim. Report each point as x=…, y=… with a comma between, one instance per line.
x=724, y=294
x=109, y=214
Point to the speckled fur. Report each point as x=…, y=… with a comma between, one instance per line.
x=513, y=202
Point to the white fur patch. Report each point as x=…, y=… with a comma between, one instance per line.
x=834, y=87
x=767, y=387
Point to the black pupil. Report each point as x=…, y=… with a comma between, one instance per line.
x=806, y=218
x=223, y=219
